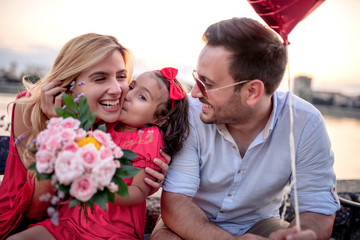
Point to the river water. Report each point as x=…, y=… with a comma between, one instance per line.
x=344, y=134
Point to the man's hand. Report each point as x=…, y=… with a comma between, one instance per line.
x=293, y=234
x=159, y=176
x=250, y=236
x=313, y=226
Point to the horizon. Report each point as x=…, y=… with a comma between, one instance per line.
x=323, y=46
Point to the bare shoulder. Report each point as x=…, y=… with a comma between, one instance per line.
x=21, y=127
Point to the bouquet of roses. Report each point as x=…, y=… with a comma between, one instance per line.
x=88, y=165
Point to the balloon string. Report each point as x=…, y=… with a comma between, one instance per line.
x=292, y=147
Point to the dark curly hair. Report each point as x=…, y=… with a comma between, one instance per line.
x=173, y=121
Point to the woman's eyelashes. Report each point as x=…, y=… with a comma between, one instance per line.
x=99, y=79
x=119, y=78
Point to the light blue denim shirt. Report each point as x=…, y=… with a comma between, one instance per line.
x=237, y=192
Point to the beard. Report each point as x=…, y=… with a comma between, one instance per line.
x=233, y=111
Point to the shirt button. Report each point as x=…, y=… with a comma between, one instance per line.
x=234, y=147
x=239, y=171
x=221, y=211
x=229, y=195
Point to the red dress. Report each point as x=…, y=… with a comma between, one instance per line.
x=16, y=190
x=118, y=222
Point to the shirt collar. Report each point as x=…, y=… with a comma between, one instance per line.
x=222, y=129
x=270, y=123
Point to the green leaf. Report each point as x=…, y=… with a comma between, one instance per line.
x=123, y=188
x=92, y=118
x=42, y=176
x=73, y=202
x=125, y=162
x=128, y=154
x=32, y=166
x=111, y=196
x=64, y=113
x=84, y=113
x=100, y=198
x=126, y=171
x=82, y=101
x=64, y=188
x=89, y=122
x=69, y=102
x=102, y=127
x=90, y=203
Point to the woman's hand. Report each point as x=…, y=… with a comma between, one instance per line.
x=160, y=176
x=51, y=98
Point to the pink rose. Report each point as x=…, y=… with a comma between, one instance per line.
x=102, y=137
x=70, y=122
x=53, y=143
x=53, y=131
x=67, y=134
x=111, y=144
x=42, y=137
x=41, y=146
x=105, y=152
x=118, y=153
x=83, y=188
x=113, y=187
x=89, y=155
x=45, y=161
x=103, y=172
x=117, y=163
x=68, y=167
x=71, y=146
x=54, y=122
x=80, y=134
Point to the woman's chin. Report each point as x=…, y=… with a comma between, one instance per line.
x=109, y=118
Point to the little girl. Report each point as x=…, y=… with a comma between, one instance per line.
x=154, y=111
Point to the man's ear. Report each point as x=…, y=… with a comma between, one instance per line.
x=254, y=91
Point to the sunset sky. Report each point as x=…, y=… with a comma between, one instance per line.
x=325, y=45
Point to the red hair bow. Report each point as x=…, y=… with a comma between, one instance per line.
x=175, y=91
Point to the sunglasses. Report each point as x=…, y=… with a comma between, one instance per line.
x=203, y=88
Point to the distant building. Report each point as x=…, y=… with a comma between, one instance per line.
x=10, y=81
x=10, y=85
x=323, y=98
x=303, y=89
x=12, y=73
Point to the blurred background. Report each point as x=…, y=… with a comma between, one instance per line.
x=324, y=53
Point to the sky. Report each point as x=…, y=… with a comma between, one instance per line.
x=324, y=45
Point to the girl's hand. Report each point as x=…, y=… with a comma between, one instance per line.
x=51, y=98
x=160, y=176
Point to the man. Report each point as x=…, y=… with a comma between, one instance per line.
x=227, y=182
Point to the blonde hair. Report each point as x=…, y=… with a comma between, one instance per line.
x=77, y=55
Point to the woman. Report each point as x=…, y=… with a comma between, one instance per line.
x=20, y=191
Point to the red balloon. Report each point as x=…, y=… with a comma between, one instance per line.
x=283, y=15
